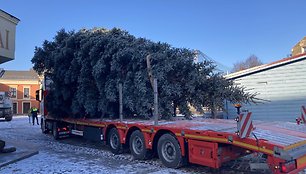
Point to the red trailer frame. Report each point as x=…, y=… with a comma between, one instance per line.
x=207, y=142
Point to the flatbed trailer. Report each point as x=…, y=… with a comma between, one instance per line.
x=207, y=142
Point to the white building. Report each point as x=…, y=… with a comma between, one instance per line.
x=281, y=84
x=7, y=36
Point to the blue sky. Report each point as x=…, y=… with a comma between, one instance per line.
x=228, y=31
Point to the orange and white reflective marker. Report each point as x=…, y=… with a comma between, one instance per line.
x=303, y=114
x=302, y=120
x=245, y=125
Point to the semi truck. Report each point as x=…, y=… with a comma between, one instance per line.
x=5, y=106
x=206, y=142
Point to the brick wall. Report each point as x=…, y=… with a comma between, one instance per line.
x=297, y=49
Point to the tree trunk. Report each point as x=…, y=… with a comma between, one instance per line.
x=213, y=110
x=174, y=109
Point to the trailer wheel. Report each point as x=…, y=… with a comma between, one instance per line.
x=43, y=126
x=169, y=151
x=113, y=140
x=54, y=131
x=138, y=147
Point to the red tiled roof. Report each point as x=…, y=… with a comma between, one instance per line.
x=287, y=59
x=19, y=75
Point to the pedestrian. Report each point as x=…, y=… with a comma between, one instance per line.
x=34, y=112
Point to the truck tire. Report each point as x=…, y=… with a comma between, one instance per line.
x=113, y=141
x=54, y=131
x=169, y=151
x=8, y=118
x=138, y=146
x=2, y=145
x=43, y=126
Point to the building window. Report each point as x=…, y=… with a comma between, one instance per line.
x=304, y=50
x=13, y=92
x=26, y=93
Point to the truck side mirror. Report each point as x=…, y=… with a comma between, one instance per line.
x=38, y=95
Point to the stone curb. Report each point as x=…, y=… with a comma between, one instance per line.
x=16, y=158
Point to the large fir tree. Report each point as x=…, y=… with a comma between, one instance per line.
x=87, y=66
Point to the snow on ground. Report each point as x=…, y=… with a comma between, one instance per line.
x=52, y=163
x=69, y=156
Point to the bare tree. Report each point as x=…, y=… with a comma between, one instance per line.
x=250, y=62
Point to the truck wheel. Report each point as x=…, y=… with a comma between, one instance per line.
x=2, y=145
x=54, y=131
x=43, y=126
x=138, y=147
x=8, y=118
x=113, y=140
x=169, y=151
